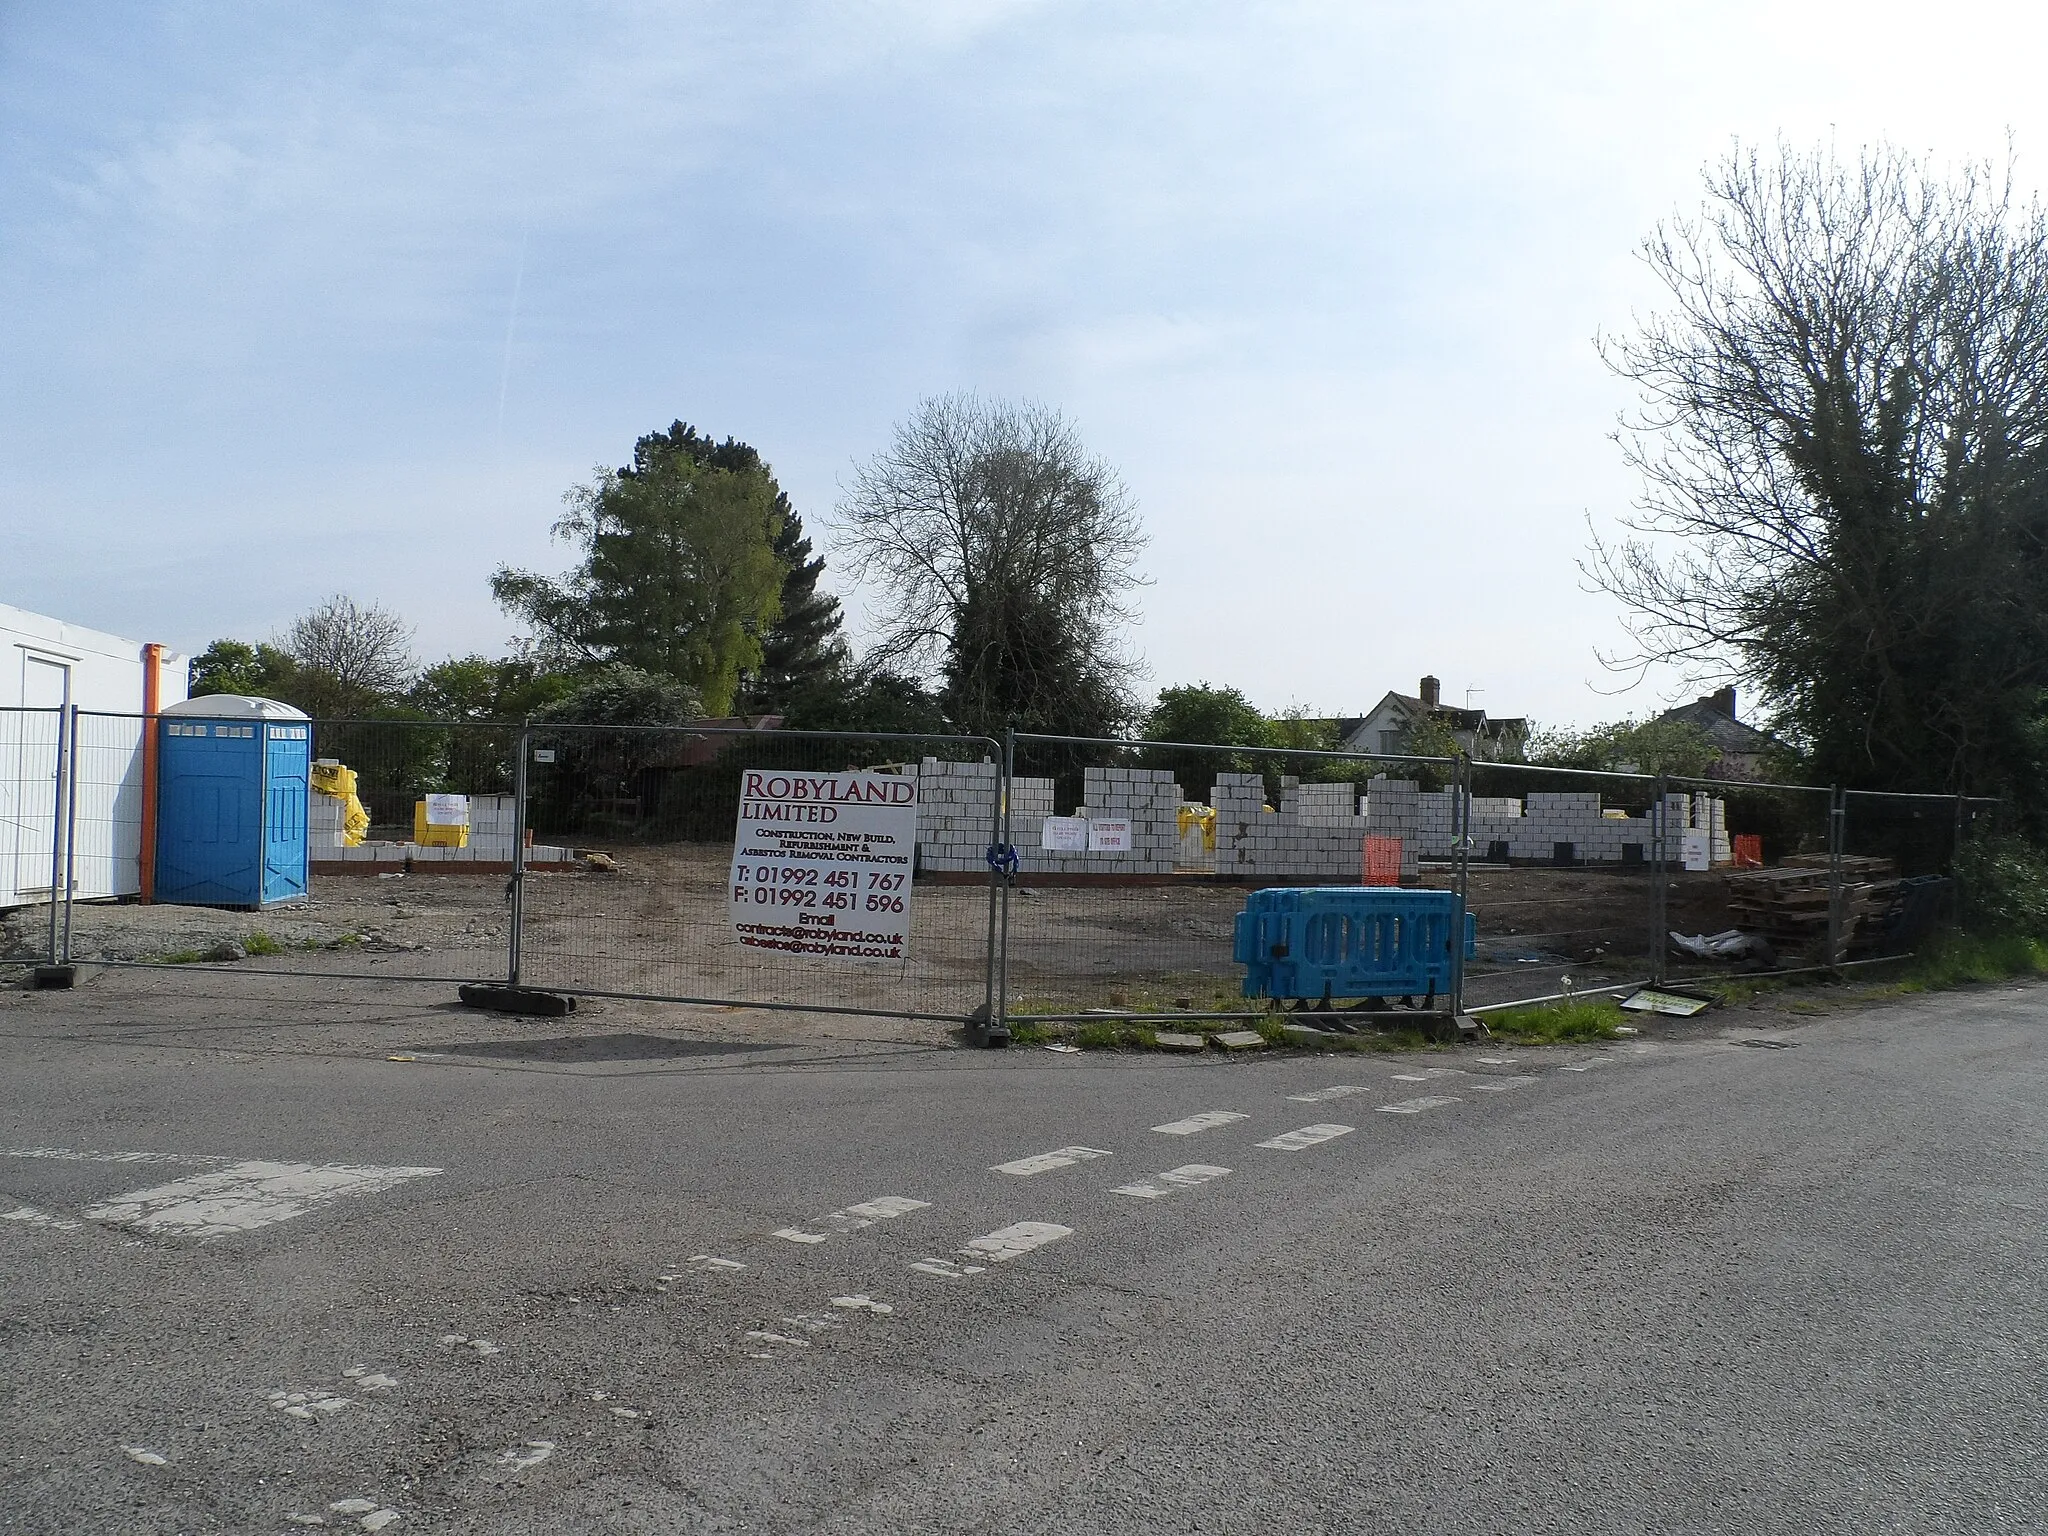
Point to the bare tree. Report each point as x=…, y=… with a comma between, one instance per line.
x=1843, y=444
x=359, y=653
x=1007, y=556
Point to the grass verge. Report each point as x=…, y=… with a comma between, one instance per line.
x=1556, y=1023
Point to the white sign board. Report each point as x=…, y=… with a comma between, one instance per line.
x=821, y=863
x=1065, y=834
x=1696, y=851
x=1110, y=835
x=447, y=810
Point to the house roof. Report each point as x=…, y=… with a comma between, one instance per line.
x=1412, y=708
x=1721, y=729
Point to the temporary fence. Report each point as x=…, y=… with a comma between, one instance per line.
x=962, y=879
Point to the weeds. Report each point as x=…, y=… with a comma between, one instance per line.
x=1555, y=1023
x=260, y=943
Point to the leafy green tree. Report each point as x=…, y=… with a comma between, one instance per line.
x=488, y=688
x=678, y=577
x=234, y=666
x=1203, y=713
x=1843, y=445
x=1675, y=747
x=866, y=700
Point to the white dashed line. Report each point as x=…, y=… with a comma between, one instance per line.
x=863, y=1303
x=1171, y=1181
x=145, y=1455
x=1046, y=1162
x=1500, y=1084
x=1493, y=1061
x=29, y=1216
x=1307, y=1136
x=1415, y=1106
x=1427, y=1073
x=73, y=1155
x=1342, y=1090
x=1207, y=1120
x=1584, y=1066
x=245, y=1196
x=530, y=1454
x=997, y=1247
x=763, y=1336
x=853, y=1218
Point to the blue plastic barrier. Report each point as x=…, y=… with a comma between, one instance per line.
x=1348, y=941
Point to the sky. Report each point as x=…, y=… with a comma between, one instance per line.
x=308, y=298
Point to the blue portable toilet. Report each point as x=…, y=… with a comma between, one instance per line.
x=233, y=788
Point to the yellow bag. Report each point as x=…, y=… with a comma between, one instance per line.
x=1205, y=815
x=339, y=783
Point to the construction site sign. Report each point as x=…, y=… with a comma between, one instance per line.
x=821, y=863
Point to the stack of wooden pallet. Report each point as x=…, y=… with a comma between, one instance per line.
x=1789, y=904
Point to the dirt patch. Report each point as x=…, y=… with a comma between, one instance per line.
x=658, y=926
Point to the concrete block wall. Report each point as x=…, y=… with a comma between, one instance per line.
x=1533, y=828
x=956, y=802
x=493, y=830
x=956, y=807
x=1309, y=840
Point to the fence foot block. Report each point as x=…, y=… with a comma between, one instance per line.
x=501, y=999
x=53, y=978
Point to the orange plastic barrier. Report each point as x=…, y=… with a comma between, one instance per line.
x=1749, y=850
x=1382, y=861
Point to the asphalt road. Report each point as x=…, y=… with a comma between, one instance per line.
x=258, y=1276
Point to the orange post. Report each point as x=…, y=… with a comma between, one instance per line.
x=152, y=664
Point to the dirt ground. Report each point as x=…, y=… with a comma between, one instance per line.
x=658, y=926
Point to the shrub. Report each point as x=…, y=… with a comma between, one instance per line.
x=2004, y=886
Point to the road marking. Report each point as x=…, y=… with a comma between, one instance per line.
x=853, y=1218
x=29, y=1216
x=369, y=1380
x=997, y=1247
x=464, y=1341
x=145, y=1455
x=377, y=1519
x=1174, y=1179
x=1045, y=1162
x=72, y=1155
x=1427, y=1073
x=1307, y=1136
x=1342, y=1090
x=1207, y=1120
x=708, y=1261
x=306, y=1405
x=529, y=1454
x=245, y=1196
x=1415, y=1106
x=814, y=1322
x=1493, y=1061
x=1500, y=1084
x=1584, y=1066
x=863, y=1303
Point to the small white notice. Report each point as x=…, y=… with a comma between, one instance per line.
x=1696, y=851
x=447, y=810
x=821, y=863
x=1064, y=834
x=1110, y=835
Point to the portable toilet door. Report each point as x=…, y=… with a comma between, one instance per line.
x=232, y=802
x=287, y=791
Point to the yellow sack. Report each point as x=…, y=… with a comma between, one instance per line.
x=1205, y=815
x=339, y=783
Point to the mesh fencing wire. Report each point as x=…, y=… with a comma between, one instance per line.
x=602, y=860
x=1569, y=876
x=1134, y=860
x=629, y=887
x=1748, y=880
x=32, y=791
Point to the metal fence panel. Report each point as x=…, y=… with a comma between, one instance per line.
x=1134, y=860
x=33, y=783
x=627, y=887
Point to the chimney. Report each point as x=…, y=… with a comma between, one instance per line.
x=1432, y=693
x=1722, y=699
